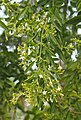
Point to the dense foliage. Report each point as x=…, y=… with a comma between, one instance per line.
x=40, y=66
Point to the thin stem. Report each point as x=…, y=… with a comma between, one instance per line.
x=65, y=9
x=41, y=45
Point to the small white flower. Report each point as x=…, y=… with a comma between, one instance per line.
x=34, y=67
x=40, y=75
x=44, y=92
x=46, y=103
x=29, y=51
x=32, y=59
x=39, y=30
x=17, y=81
x=59, y=88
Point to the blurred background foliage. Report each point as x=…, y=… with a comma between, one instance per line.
x=40, y=66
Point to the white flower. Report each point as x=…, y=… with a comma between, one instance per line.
x=34, y=67
x=40, y=75
x=46, y=103
x=44, y=92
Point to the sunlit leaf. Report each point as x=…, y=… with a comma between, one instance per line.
x=3, y=25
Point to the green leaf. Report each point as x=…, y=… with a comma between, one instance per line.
x=22, y=13
x=43, y=2
x=59, y=2
x=57, y=26
x=20, y=106
x=69, y=116
x=54, y=40
x=2, y=112
x=74, y=20
x=11, y=83
x=30, y=66
x=27, y=117
x=78, y=4
x=3, y=25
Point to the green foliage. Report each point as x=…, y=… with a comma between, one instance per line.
x=32, y=78
x=3, y=25
x=78, y=5
x=74, y=20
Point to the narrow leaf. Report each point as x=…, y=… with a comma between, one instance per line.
x=30, y=66
x=22, y=13
x=74, y=20
x=3, y=25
